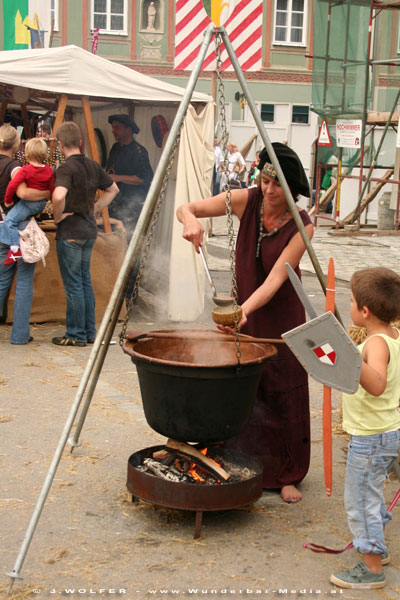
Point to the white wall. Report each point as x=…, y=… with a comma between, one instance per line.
x=298, y=136
x=301, y=137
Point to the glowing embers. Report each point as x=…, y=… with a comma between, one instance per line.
x=181, y=466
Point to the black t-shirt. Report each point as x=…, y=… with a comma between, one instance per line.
x=7, y=165
x=131, y=159
x=82, y=177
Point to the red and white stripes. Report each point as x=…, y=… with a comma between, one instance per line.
x=244, y=29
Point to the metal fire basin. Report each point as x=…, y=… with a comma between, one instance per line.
x=195, y=496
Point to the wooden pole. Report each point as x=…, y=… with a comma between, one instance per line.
x=95, y=154
x=3, y=109
x=367, y=199
x=38, y=29
x=327, y=391
x=58, y=120
x=25, y=118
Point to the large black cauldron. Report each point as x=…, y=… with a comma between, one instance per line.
x=193, y=389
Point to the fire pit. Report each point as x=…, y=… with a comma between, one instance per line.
x=196, y=387
x=244, y=485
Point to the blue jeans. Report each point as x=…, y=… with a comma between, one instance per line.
x=19, y=212
x=74, y=261
x=369, y=459
x=23, y=293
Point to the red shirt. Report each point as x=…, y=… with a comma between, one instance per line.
x=38, y=178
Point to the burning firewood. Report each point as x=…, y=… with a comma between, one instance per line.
x=161, y=454
x=198, y=457
x=164, y=471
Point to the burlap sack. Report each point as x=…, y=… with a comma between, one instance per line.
x=49, y=302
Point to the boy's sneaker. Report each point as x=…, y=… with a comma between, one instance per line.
x=65, y=341
x=359, y=577
x=12, y=257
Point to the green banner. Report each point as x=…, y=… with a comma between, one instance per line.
x=16, y=35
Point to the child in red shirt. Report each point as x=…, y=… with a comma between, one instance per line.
x=36, y=175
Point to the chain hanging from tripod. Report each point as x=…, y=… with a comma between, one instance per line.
x=149, y=239
x=221, y=114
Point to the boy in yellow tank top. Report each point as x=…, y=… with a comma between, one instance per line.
x=371, y=416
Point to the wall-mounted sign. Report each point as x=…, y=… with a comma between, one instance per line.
x=324, y=139
x=348, y=133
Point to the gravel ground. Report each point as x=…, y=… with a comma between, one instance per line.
x=92, y=540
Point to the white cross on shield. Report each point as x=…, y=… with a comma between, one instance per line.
x=327, y=352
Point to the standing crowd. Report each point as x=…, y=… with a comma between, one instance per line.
x=278, y=431
x=73, y=190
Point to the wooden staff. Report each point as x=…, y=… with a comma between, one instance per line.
x=206, y=335
x=95, y=154
x=327, y=392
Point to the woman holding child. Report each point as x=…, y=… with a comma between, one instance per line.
x=278, y=433
x=9, y=144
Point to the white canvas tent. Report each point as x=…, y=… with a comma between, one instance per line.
x=72, y=70
x=70, y=75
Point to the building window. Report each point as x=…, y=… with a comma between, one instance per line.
x=289, y=26
x=268, y=113
x=54, y=14
x=301, y=114
x=110, y=16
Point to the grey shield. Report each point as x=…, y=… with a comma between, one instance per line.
x=340, y=370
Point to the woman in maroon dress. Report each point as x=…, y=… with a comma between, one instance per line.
x=278, y=433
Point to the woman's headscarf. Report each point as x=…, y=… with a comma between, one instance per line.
x=291, y=166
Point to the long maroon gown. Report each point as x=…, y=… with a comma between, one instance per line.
x=278, y=433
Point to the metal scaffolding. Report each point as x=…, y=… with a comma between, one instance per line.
x=350, y=82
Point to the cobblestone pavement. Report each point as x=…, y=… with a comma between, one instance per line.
x=349, y=252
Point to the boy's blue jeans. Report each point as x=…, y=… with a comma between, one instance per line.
x=369, y=459
x=74, y=258
x=19, y=212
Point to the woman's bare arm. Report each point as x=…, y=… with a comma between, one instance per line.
x=278, y=274
x=190, y=213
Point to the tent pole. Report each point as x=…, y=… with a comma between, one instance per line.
x=3, y=110
x=25, y=118
x=62, y=104
x=274, y=160
x=110, y=316
x=95, y=154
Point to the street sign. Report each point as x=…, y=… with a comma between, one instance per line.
x=324, y=139
x=348, y=133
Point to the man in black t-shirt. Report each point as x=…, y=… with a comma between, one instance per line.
x=129, y=166
x=75, y=210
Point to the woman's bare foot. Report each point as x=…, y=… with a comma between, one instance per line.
x=290, y=494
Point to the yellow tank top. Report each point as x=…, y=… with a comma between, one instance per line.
x=364, y=414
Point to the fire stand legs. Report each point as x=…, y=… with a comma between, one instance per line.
x=197, y=529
